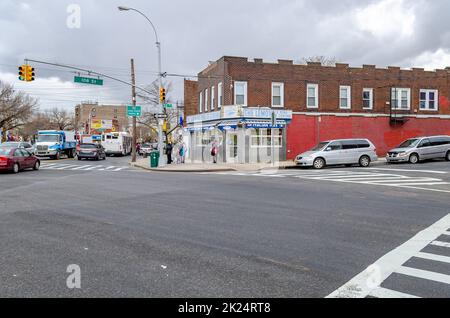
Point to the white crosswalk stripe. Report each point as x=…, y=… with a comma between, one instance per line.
x=343, y=176
x=370, y=281
x=72, y=167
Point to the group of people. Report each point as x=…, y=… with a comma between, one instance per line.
x=176, y=152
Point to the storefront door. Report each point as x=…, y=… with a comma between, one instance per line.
x=232, y=147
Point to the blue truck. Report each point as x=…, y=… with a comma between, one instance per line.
x=54, y=143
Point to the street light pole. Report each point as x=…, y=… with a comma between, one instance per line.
x=160, y=75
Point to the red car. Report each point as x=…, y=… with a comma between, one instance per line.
x=15, y=159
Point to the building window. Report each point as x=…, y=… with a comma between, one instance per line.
x=345, y=99
x=401, y=98
x=240, y=93
x=220, y=95
x=277, y=95
x=206, y=100
x=312, y=96
x=368, y=98
x=213, y=97
x=429, y=99
x=200, y=102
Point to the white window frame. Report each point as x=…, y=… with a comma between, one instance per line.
x=316, y=96
x=348, y=97
x=206, y=100
x=213, y=97
x=236, y=83
x=200, y=102
x=281, y=85
x=370, y=90
x=427, y=100
x=399, y=98
x=220, y=95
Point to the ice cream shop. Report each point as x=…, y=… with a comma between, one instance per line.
x=242, y=134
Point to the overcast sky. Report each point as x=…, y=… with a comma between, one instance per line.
x=402, y=33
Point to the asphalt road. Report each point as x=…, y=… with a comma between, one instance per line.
x=278, y=234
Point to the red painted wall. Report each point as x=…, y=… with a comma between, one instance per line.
x=306, y=131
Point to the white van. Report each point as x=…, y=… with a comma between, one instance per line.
x=339, y=152
x=117, y=143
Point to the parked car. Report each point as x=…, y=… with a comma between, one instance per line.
x=91, y=151
x=18, y=144
x=339, y=152
x=145, y=149
x=416, y=149
x=17, y=159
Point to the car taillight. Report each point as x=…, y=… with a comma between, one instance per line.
x=4, y=161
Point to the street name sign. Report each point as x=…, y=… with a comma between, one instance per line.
x=88, y=80
x=134, y=111
x=161, y=116
x=168, y=106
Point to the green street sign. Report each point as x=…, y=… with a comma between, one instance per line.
x=88, y=80
x=134, y=111
x=168, y=106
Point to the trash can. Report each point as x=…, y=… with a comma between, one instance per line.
x=154, y=159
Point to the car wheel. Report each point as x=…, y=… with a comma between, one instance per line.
x=16, y=168
x=37, y=165
x=414, y=158
x=319, y=163
x=447, y=157
x=364, y=161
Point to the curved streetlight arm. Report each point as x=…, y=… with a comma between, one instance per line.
x=151, y=23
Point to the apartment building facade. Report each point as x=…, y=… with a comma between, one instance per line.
x=385, y=105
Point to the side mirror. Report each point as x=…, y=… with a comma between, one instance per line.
x=328, y=149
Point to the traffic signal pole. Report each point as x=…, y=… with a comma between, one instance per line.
x=133, y=95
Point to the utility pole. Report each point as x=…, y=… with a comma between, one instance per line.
x=133, y=96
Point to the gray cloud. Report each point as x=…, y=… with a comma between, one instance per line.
x=385, y=32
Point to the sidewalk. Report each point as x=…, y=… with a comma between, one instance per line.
x=209, y=167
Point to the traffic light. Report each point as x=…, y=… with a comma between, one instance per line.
x=162, y=94
x=23, y=73
x=30, y=74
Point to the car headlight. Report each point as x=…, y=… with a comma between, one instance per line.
x=402, y=154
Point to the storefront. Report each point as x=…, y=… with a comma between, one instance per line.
x=244, y=135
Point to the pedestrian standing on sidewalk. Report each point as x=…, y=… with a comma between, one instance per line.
x=182, y=153
x=214, y=151
x=169, y=149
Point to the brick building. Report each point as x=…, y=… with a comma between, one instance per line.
x=90, y=115
x=386, y=105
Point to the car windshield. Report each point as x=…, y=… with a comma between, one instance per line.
x=409, y=143
x=88, y=146
x=146, y=146
x=320, y=146
x=4, y=152
x=48, y=138
x=10, y=145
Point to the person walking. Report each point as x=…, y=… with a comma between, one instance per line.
x=169, y=149
x=214, y=151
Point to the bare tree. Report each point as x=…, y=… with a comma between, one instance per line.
x=15, y=107
x=39, y=121
x=60, y=119
x=152, y=100
x=324, y=60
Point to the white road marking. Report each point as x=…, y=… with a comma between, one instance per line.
x=381, y=292
x=371, y=279
x=81, y=167
x=110, y=167
x=446, y=233
x=407, y=170
x=434, y=257
x=93, y=168
x=419, y=273
x=440, y=244
x=66, y=167
x=418, y=184
x=426, y=189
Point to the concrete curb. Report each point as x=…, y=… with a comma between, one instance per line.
x=184, y=171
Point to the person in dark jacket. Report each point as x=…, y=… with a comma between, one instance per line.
x=169, y=149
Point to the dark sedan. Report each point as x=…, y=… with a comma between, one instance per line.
x=15, y=160
x=91, y=151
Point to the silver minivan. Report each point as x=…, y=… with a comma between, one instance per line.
x=416, y=149
x=339, y=152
